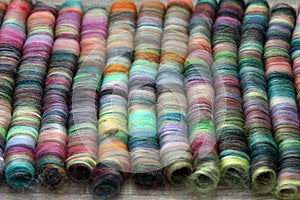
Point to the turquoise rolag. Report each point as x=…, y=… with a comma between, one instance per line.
x=262, y=147
x=142, y=121
x=283, y=105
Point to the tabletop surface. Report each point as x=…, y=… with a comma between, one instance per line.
x=75, y=191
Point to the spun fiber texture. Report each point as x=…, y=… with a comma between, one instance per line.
x=51, y=146
x=143, y=141
x=82, y=143
x=12, y=38
x=113, y=160
x=263, y=149
x=172, y=105
x=283, y=105
x=229, y=118
x=199, y=87
x=24, y=130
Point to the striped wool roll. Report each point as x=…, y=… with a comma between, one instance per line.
x=143, y=140
x=263, y=148
x=229, y=117
x=113, y=157
x=24, y=130
x=3, y=8
x=295, y=56
x=172, y=105
x=283, y=105
x=12, y=38
x=51, y=145
x=82, y=143
x=200, y=94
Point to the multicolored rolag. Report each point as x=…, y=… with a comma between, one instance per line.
x=143, y=141
x=51, y=145
x=24, y=130
x=283, y=105
x=263, y=148
x=229, y=117
x=82, y=143
x=113, y=158
x=172, y=104
x=295, y=56
x=12, y=38
x=199, y=87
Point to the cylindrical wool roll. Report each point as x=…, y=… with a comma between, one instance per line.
x=82, y=143
x=283, y=105
x=263, y=148
x=113, y=158
x=199, y=87
x=295, y=56
x=12, y=38
x=51, y=146
x=24, y=130
x=229, y=117
x=172, y=105
x=142, y=126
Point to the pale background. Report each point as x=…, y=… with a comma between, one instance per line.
x=73, y=191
